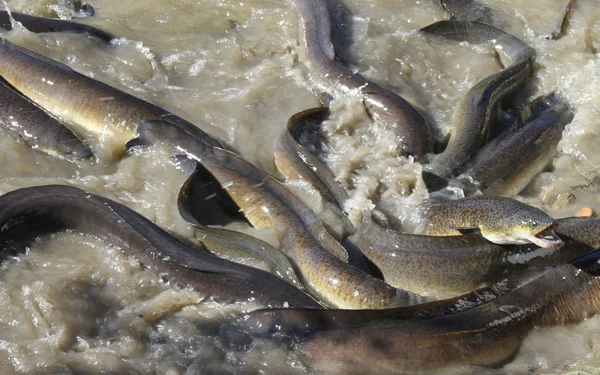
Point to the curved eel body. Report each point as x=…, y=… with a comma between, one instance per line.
x=49, y=25
x=36, y=128
x=296, y=163
x=26, y=213
x=582, y=236
x=485, y=335
x=87, y=106
x=319, y=259
x=195, y=208
x=242, y=248
x=448, y=266
x=381, y=104
x=473, y=116
x=515, y=160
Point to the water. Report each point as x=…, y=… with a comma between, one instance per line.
x=72, y=304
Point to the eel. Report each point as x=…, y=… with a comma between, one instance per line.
x=320, y=260
x=382, y=105
x=30, y=212
x=23, y=119
x=50, y=25
x=489, y=334
x=473, y=116
x=87, y=106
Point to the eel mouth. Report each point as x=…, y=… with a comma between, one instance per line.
x=546, y=238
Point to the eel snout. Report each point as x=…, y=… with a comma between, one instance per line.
x=546, y=237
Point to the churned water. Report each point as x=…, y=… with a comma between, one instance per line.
x=73, y=304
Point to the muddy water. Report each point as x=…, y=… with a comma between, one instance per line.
x=72, y=304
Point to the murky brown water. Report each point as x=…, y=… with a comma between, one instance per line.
x=71, y=304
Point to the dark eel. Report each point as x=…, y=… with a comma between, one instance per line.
x=20, y=117
x=50, y=25
x=489, y=334
x=29, y=212
x=521, y=155
x=474, y=114
x=87, y=106
x=384, y=105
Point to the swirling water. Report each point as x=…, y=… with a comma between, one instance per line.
x=72, y=304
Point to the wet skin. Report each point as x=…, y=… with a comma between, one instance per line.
x=29, y=212
x=321, y=262
x=499, y=220
x=20, y=117
x=485, y=335
x=382, y=105
x=521, y=154
x=87, y=106
x=473, y=116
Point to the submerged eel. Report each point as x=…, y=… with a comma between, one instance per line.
x=473, y=115
x=485, y=335
x=381, y=104
x=29, y=212
x=321, y=262
x=87, y=106
x=471, y=10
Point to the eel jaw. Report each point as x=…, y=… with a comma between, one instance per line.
x=546, y=238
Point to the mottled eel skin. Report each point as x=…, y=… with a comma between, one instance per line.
x=29, y=212
x=448, y=266
x=582, y=236
x=499, y=220
x=521, y=152
x=20, y=117
x=473, y=115
x=89, y=107
x=381, y=104
x=321, y=262
x=485, y=335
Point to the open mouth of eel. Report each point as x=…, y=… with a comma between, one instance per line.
x=546, y=238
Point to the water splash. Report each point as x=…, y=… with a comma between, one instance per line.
x=13, y=23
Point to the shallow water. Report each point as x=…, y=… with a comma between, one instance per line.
x=72, y=304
